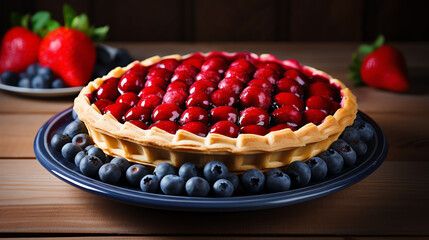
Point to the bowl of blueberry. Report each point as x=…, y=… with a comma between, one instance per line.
x=64, y=147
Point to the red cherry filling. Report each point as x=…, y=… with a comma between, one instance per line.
x=298, y=77
x=177, y=85
x=287, y=114
x=196, y=128
x=255, y=97
x=224, y=97
x=231, y=84
x=289, y=85
x=212, y=76
x=315, y=116
x=168, y=126
x=254, y=116
x=268, y=74
x=225, y=128
x=102, y=104
x=211, y=98
x=283, y=126
x=198, y=99
x=254, y=129
x=131, y=99
x=223, y=113
x=142, y=114
x=322, y=89
x=139, y=124
x=151, y=90
x=133, y=80
x=262, y=84
x=285, y=98
x=194, y=114
x=170, y=64
x=117, y=110
x=321, y=103
x=202, y=86
x=217, y=64
x=176, y=96
x=242, y=65
x=150, y=101
x=108, y=90
x=169, y=112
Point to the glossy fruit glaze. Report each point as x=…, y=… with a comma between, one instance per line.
x=223, y=93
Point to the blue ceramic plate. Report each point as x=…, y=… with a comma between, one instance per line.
x=68, y=172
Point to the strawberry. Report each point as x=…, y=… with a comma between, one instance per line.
x=383, y=67
x=70, y=53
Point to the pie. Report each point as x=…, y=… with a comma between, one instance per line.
x=245, y=110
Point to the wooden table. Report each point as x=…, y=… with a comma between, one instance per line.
x=393, y=201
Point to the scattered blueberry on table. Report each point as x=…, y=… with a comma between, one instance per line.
x=213, y=179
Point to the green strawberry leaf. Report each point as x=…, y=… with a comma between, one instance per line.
x=39, y=20
x=24, y=20
x=80, y=23
x=49, y=26
x=69, y=14
x=378, y=42
x=365, y=49
x=100, y=33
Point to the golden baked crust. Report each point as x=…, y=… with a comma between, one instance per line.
x=247, y=151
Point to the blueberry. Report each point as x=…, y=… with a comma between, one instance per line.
x=172, y=185
x=59, y=140
x=346, y=151
x=89, y=147
x=223, y=188
x=89, y=165
x=234, y=179
x=40, y=82
x=360, y=147
x=9, y=78
x=189, y=169
x=135, y=173
x=149, y=183
x=109, y=173
x=253, y=181
x=79, y=157
x=82, y=140
x=74, y=115
x=318, y=167
x=103, y=55
x=122, y=163
x=96, y=151
x=69, y=151
x=276, y=180
x=164, y=169
x=197, y=187
x=32, y=70
x=299, y=173
x=366, y=131
x=46, y=73
x=215, y=170
x=74, y=128
x=350, y=134
x=333, y=159
x=24, y=82
x=101, y=70
x=23, y=75
x=58, y=83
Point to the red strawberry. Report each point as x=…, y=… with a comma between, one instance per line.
x=70, y=54
x=383, y=67
x=19, y=49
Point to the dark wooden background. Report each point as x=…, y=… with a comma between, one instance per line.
x=244, y=20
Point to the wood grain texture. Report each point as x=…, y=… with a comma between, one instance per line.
x=389, y=202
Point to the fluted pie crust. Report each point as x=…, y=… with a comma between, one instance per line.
x=247, y=151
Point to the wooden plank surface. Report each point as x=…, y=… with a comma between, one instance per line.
x=389, y=202
x=392, y=202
